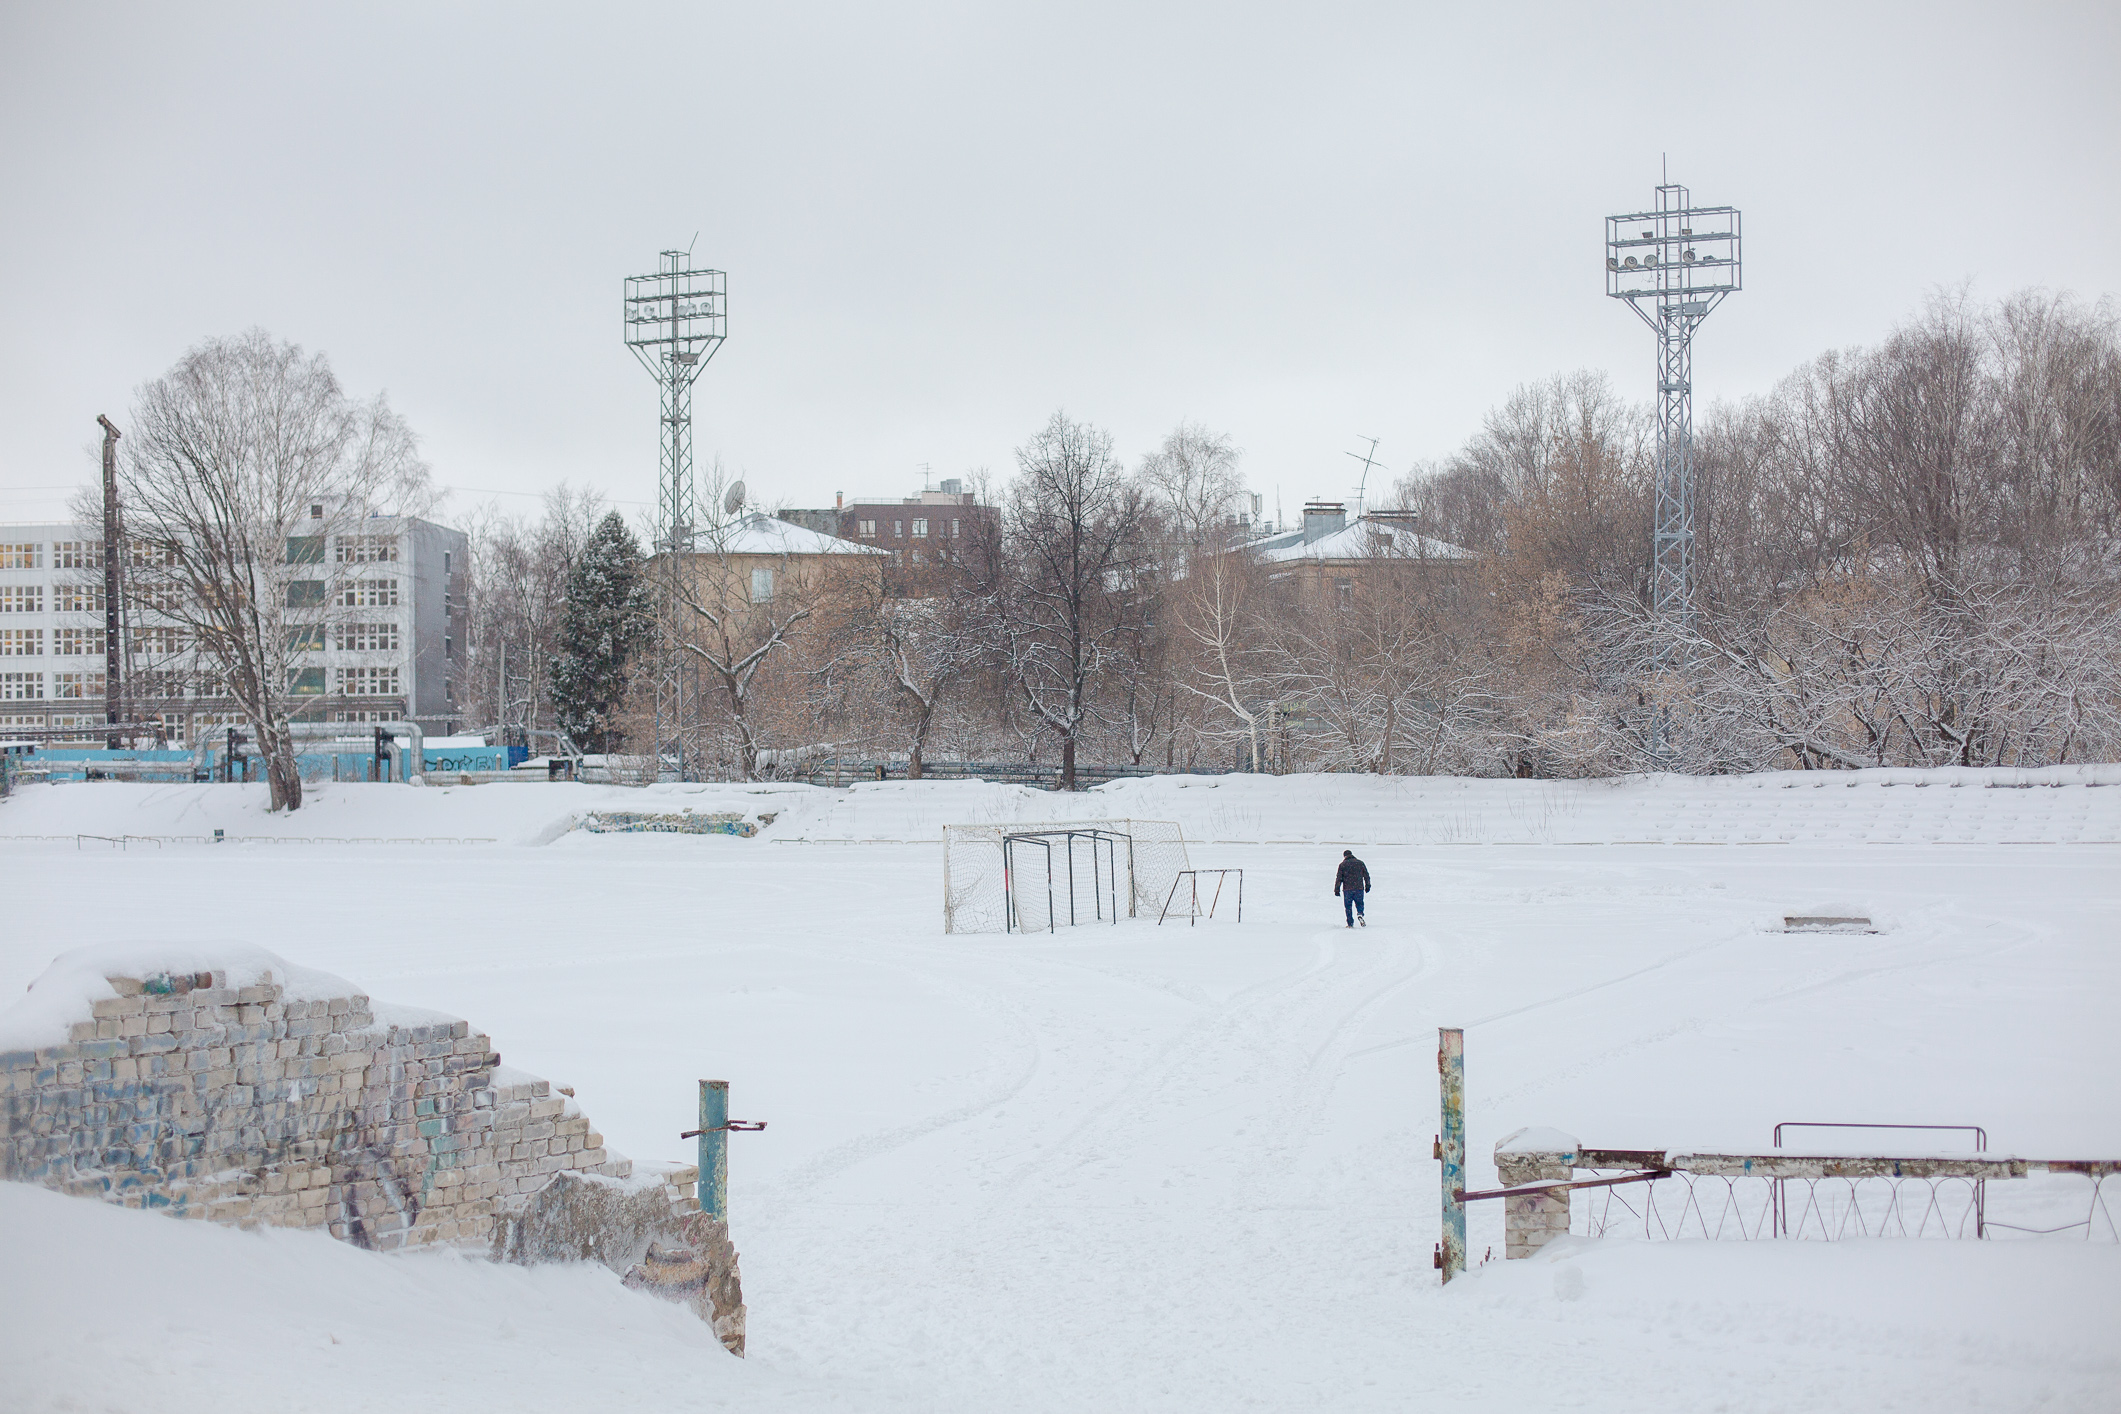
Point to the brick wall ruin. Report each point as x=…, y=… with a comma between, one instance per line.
x=248, y=1105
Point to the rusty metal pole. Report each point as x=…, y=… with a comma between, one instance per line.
x=1451, y=1147
x=113, y=702
x=714, y=1149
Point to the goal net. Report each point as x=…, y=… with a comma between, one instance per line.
x=1029, y=877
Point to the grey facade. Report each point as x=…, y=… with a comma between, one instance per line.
x=408, y=663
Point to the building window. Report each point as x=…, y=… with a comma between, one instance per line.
x=920, y=530
x=953, y=530
x=1344, y=591
x=305, y=593
x=367, y=682
x=305, y=638
x=316, y=510
x=449, y=691
x=141, y=686
x=21, y=687
x=305, y=549
x=77, y=642
x=369, y=594
x=77, y=555
x=761, y=585
x=163, y=600
x=367, y=638
x=867, y=527
x=21, y=557
x=898, y=530
x=77, y=685
x=445, y=562
x=161, y=642
x=365, y=549
x=449, y=646
x=306, y=682
x=21, y=643
x=148, y=555
x=21, y=598
x=77, y=598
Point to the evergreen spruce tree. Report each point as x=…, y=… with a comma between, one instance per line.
x=606, y=620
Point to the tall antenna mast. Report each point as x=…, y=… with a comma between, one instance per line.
x=1673, y=264
x=675, y=320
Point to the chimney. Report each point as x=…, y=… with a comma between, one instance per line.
x=836, y=505
x=1323, y=518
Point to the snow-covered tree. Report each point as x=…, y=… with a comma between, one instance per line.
x=607, y=619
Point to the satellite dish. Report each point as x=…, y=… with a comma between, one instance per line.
x=734, y=501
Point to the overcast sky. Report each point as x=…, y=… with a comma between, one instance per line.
x=1305, y=225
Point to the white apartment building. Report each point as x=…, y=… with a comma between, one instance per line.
x=391, y=651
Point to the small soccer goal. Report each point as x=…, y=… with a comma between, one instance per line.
x=1043, y=876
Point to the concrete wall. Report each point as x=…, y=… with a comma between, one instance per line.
x=251, y=1106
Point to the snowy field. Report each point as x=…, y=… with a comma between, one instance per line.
x=1138, y=1168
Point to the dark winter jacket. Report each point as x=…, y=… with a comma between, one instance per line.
x=1354, y=876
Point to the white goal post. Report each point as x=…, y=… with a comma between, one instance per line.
x=996, y=877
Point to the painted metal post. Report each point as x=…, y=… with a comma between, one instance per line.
x=1451, y=1147
x=714, y=1149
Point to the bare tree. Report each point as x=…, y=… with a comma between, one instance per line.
x=1077, y=567
x=1219, y=611
x=247, y=477
x=518, y=590
x=906, y=660
x=1194, y=474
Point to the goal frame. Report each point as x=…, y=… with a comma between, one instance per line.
x=1096, y=835
x=976, y=898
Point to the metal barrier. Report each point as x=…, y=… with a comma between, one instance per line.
x=1193, y=876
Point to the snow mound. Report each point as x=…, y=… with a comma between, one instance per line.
x=67, y=991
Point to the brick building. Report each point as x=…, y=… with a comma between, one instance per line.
x=933, y=530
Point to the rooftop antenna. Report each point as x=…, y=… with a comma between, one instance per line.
x=674, y=321
x=1368, y=460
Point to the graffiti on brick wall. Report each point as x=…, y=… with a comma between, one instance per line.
x=605, y=822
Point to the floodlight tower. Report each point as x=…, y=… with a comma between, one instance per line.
x=675, y=320
x=1673, y=265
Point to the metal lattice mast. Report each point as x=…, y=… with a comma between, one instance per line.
x=675, y=320
x=1674, y=264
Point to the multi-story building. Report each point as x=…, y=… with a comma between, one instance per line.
x=390, y=645
x=933, y=529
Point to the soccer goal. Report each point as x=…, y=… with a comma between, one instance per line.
x=1037, y=877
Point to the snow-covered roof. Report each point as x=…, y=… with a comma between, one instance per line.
x=761, y=534
x=1367, y=539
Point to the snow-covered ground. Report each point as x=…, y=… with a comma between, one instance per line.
x=1136, y=1168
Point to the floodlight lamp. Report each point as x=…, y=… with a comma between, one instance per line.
x=1688, y=257
x=1611, y=263
x=1632, y=263
x=1647, y=234
x=1686, y=230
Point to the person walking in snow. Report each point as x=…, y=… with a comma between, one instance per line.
x=1351, y=882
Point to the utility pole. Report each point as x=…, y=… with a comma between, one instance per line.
x=113, y=697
